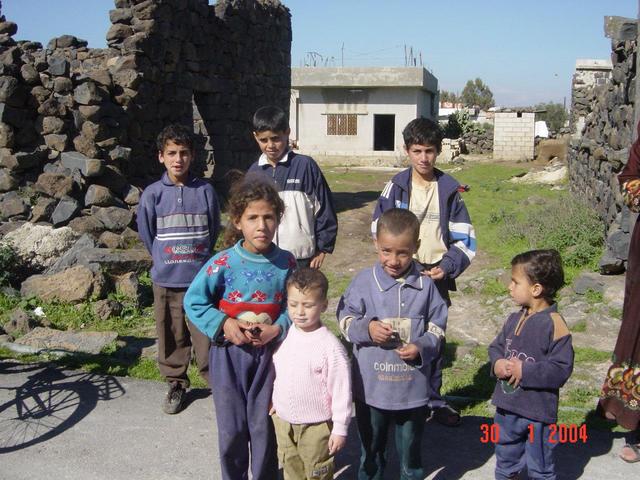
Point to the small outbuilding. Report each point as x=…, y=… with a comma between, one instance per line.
x=339, y=111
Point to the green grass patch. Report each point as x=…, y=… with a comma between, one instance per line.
x=587, y=354
x=580, y=327
x=615, y=312
x=344, y=179
x=494, y=288
x=511, y=218
x=593, y=296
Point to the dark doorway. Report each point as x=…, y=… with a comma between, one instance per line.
x=384, y=132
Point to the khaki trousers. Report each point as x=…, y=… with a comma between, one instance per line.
x=303, y=449
x=176, y=336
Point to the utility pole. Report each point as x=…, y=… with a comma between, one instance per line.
x=342, y=52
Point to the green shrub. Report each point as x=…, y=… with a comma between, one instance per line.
x=8, y=265
x=565, y=224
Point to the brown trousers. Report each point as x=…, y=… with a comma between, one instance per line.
x=176, y=336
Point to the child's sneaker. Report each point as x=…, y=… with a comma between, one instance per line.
x=174, y=399
x=446, y=416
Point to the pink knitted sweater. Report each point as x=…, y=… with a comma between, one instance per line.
x=313, y=379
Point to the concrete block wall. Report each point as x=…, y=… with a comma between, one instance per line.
x=513, y=136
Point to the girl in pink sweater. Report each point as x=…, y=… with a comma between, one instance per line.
x=312, y=390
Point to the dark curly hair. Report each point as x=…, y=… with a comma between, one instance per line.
x=309, y=279
x=176, y=133
x=423, y=131
x=543, y=267
x=247, y=189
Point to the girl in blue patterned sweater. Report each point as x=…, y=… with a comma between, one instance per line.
x=237, y=300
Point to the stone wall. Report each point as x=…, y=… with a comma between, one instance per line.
x=475, y=142
x=78, y=125
x=588, y=75
x=513, y=134
x=601, y=149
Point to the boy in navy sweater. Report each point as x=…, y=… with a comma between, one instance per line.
x=309, y=226
x=532, y=358
x=447, y=238
x=178, y=222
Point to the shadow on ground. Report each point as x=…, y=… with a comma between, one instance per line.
x=344, y=201
x=447, y=452
x=50, y=402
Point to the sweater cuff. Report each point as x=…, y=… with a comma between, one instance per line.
x=340, y=429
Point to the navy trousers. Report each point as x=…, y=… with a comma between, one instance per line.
x=241, y=383
x=514, y=449
x=373, y=426
x=437, y=364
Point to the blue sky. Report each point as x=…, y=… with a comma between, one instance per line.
x=524, y=51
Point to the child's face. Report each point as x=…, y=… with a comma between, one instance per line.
x=305, y=307
x=423, y=159
x=273, y=144
x=395, y=252
x=177, y=160
x=258, y=224
x=521, y=289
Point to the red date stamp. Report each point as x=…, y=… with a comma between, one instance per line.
x=558, y=433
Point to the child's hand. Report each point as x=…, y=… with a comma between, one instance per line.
x=435, y=273
x=233, y=331
x=316, y=261
x=380, y=332
x=516, y=372
x=502, y=368
x=267, y=333
x=336, y=443
x=408, y=352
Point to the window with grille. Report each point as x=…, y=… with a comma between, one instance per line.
x=342, y=124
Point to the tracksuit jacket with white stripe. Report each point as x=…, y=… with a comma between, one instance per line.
x=309, y=225
x=457, y=232
x=179, y=226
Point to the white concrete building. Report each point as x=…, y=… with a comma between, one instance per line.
x=513, y=135
x=358, y=111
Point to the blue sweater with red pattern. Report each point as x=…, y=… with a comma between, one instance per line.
x=240, y=284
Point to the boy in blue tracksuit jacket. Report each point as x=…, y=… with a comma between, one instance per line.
x=178, y=222
x=396, y=320
x=309, y=226
x=447, y=238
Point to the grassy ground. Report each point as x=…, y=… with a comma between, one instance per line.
x=508, y=218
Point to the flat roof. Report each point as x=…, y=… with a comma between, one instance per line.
x=593, y=64
x=363, y=77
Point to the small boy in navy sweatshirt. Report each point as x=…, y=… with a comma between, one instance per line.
x=178, y=222
x=532, y=358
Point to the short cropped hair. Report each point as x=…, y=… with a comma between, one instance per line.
x=423, y=131
x=543, y=267
x=270, y=118
x=176, y=133
x=397, y=221
x=309, y=279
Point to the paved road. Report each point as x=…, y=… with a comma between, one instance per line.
x=58, y=424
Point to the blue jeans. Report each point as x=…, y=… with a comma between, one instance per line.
x=514, y=450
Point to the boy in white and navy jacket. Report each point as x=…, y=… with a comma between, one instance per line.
x=447, y=238
x=178, y=222
x=309, y=226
